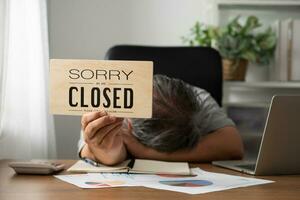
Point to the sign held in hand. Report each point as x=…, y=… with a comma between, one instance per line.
x=122, y=88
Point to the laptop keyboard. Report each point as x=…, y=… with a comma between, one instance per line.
x=248, y=166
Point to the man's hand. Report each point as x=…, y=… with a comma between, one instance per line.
x=102, y=135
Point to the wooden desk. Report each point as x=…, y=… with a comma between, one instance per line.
x=23, y=187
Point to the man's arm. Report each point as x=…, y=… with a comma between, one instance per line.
x=223, y=144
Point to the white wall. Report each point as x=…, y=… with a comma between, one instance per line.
x=87, y=28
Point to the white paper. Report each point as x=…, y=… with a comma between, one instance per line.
x=98, y=180
x=201, y=182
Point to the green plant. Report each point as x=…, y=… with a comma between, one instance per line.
x=236, y=40
x=202, y=35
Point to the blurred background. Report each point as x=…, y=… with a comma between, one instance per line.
x=262, y=33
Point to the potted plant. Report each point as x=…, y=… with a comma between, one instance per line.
x=237, y=43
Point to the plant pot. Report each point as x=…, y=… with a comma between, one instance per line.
x=234, y=70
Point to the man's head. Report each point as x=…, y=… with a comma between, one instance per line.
x=173, y=125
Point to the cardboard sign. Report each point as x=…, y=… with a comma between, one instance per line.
x=122, y=88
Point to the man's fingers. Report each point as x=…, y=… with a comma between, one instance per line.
x=91, y=116
x=94, y=126
x=108, y=131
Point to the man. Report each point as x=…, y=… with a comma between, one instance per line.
x=187, y=125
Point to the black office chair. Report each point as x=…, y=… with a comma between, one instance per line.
x=199, y=66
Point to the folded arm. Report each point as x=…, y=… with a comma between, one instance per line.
x=223, y=144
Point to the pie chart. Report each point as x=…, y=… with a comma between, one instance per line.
x=99, y=184
x=105, y=183
x=187, y=183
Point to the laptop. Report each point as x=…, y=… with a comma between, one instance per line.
x=280, y=144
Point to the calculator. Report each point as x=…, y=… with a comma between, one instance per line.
x=36, y=167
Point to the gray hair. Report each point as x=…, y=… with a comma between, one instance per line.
x=174, y=124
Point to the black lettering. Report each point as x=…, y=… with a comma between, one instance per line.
x=73, y=72
x=95, y=97
x=111, y=73
x=101, y=73
x=82, y=97
x=116, y=97
x=87, y=77
x=128, y=98
x=71, y=95
x=106, y=97
x=127, y=75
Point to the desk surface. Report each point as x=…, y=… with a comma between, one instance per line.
x=24, y=187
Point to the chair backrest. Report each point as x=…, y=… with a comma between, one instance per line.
x=199, y=66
